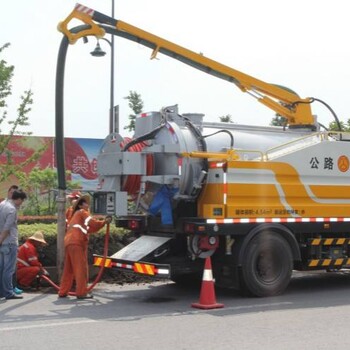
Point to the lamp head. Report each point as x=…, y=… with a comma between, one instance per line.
x=98, y=52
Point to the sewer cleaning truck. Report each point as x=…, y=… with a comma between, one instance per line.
x=259, y=201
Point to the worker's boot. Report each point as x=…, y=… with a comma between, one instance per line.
x=37, y=282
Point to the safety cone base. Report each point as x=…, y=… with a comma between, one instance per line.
x=207, y=306
x=207, y=298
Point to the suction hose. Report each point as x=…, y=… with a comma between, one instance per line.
x=99, y=275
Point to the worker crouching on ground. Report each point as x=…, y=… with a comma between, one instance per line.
x=28, y=265
x=76, y=244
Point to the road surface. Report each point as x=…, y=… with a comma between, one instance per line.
x=313, y=313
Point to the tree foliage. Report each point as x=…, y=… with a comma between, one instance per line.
x=136, y=105
x=39, y=185
x=13, y=125
x=344, y=126
x=226, y=118
x=278, y=120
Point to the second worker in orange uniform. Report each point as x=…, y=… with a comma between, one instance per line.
x=76, y=244
x=28, y=264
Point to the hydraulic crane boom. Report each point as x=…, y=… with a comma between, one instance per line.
x=281, y=100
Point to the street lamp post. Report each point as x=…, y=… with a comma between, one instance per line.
x=98, y=52
x=112, y=126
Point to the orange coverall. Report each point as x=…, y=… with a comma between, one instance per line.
x=76, y=244
x=28, y=264
x=69, y=213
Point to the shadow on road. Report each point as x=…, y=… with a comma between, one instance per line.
x=133, y=302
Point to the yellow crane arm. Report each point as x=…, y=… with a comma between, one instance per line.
x=281, y=100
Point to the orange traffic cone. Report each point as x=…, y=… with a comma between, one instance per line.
x=207, y=298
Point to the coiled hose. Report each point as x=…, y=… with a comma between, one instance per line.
x=131, y=183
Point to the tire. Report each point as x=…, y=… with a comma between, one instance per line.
x=267, y=265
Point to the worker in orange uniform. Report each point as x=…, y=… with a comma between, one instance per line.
x=28, y=264
x=76, y=244
x=72, y=197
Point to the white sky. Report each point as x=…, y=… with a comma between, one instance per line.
x=303, y=45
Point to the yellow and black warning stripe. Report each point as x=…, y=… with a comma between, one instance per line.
x=328, y=262
x=329, y=241
x=98, y=261
x=159, y=270
x=146, y=269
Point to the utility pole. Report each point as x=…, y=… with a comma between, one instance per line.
x=61, y=229
x=111, y=107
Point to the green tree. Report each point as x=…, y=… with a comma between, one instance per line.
x=136, y=105
x=334, y=126
x=14, y=125
x=278, y=120
x=226, y=118
x=40, y=185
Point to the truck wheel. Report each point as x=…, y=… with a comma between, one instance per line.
x=267, y=265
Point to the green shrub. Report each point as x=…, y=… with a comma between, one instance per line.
x=30, y=219
x=118, y=238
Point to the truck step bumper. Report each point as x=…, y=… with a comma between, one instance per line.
x=138, y=267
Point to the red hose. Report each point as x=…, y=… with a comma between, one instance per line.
x=105, y=253
x=99, y=275
x=132, y=182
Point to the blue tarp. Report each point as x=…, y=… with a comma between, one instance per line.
x=162, y=203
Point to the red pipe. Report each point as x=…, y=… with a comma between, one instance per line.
x=99, y=275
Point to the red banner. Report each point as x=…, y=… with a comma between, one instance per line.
x=80, y=158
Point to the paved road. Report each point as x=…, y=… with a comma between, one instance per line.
x=314, y=313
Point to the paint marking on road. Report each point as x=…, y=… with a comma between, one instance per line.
x=56, y=324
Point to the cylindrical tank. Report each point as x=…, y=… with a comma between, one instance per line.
x=166, y=135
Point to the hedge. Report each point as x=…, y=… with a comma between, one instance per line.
x=118, y=239
x=29, y=219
